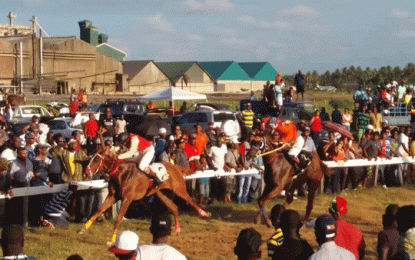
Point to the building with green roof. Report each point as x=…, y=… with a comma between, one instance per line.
x=111, y=51
x=259, y=71
x=188, y=75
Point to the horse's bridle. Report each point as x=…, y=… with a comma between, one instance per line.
x=101, y=162
x=264, y=147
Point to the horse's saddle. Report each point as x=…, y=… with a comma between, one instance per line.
x=160, y=171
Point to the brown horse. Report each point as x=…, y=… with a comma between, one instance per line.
x=127, y=183
x=279, y=175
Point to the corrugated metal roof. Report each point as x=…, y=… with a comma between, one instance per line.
x=174, y=70
x=224, y=70
x=133, y=67
x=262, y=71
x=110, y=51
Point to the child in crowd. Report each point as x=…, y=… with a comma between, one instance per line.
x=203, y=182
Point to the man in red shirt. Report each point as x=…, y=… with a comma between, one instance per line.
x=91, y=128
x=73, y=108
x=192, y=151
x=348, y=236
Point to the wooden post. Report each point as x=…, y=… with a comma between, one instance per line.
x=376, y=175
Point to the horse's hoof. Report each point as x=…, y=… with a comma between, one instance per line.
x=178, y=228
x=81, y=232
x=204, y=214
x=109, y=244
x=208, y=214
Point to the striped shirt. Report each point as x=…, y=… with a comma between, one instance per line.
x=57, y=205
x=275, y=241
x=248, y=118
x=362, y=120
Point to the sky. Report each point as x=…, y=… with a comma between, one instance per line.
x=308, y=35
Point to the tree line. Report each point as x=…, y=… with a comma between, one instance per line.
x=348, y=78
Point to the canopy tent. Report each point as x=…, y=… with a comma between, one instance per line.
x=173, y=93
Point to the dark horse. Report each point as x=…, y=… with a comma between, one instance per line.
x=279, y=173
x=128, y=184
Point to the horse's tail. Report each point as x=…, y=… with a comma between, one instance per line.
x=185, y=171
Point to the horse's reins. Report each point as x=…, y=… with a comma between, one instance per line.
x=98, y=166
x=272, y=151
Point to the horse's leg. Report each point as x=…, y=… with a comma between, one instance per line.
x=261, y=202
x=173, y=208
x=296, y=184
x=108, y=202
x=313, y=186
x=182, y=193
x=125, y=203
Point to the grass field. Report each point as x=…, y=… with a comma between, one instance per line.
x=215, y=238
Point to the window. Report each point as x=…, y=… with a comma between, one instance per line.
x=194, y=118
x=57, y=125
x=222, y=117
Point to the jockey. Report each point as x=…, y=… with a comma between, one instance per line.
x=140, y=150
x=298, y=148
x=287, y=131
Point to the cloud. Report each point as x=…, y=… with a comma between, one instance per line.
x=300, y=11
x=195, y=37
x=222, y=31
x=250, y=21
x=236, y=43
x=398, y=14
x=406, y=34
x=193, y=6
x=160, y=23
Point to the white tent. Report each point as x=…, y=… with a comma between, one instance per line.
x=172, y=93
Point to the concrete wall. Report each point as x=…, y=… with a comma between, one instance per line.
x=148, y=80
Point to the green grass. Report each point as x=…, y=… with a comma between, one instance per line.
x=215, y=238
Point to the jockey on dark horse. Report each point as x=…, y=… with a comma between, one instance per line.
x=140, y=150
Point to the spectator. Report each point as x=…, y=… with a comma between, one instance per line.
x=403, y=151
x=252, y=97
x=348, y=236
x=181, y=156
x=159, y=248
x=125, y=247
x=347, y=119
x=30, y=145
x=375, y=119
x=371, y=96
x=72, y=96
x=201, y=139
x=192, y=151
x=10, y=153
x=265, y=91
x=76, y=136
x=211, y=138
x=216, y=160
x=83, y=100
x=12, y=243
x=166, y=155
x=121, y=125
x=277, y=238
x=172, y=106
x=325, y=230
x=278, y=95
x=247, y=117
x=183, y=107
x=324, y=115
x=177, y=133
x=161, y=143
x=405, y=218
x=400, y=91
x=90, y=129
x=408, y=97
x=362, y=121
x=73, y=108
x=248, y=245
x=278, y=78
x=108, y=122
x=315, y=127
x=232, y=161
x=71, y=160
x=336, y=115
x=75, y=257
x=19, y=174
x=388, y=238
x=337, y=154
x=289, y=95
x=360, y=96
x=151, y=105
x=203, y=182
x=299, y=82
x=371, y=150
x=293, y=247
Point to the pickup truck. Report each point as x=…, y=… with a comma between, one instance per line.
x=397, y=116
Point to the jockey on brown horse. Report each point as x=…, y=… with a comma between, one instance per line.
x=139, y=150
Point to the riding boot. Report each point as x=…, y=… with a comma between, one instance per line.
x=150, y=173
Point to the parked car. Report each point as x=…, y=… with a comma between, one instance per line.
x=63, y=126
x=225, y=119
x=24, y=113
x=212, y=106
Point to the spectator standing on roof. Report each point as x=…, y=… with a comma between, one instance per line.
x=108, y=122
x=348, y=236
x=161, y=143
x=299, y=82
x=389, y=237
x=400, y=91
x=278, y=94
x=360, y=95
x=90, y=129
x=252, y=97
x=375, y=119
x=325, y=228
x=315, y=127
x=159, y=248
x=83, y=100
x=247, y=117
x=336, y=115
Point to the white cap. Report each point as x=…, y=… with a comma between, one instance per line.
x=162, y=130
x=125, y=243
x=370, y=127
x=171, y=138
x=234, y=140
x=385, y=121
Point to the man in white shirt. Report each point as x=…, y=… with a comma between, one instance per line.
x=325, y=229
x=159, y=249
x=10, y=153
x=216, y=155
x=298, y=147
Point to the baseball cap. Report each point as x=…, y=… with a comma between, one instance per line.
x=160, y=225
x=249, y=241
x=126, y=242
x=325, y=224
x=338, y=206
x=171, y=138
x=162, y=130
x=76, y=132
x=29, y=135
x=234, y=140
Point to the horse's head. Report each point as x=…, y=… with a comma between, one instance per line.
x=101, y=162
x=268, y=142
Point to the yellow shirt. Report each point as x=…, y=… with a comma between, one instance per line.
x=72, y=162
